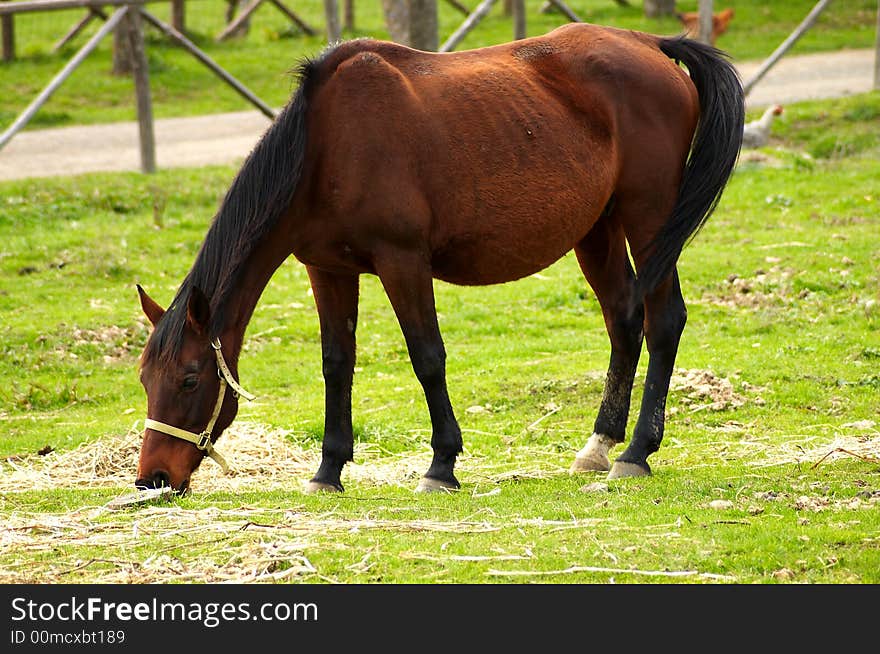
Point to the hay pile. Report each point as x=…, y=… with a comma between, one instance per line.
x=261, y=458
x=224, y=543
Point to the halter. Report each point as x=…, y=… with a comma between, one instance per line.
x=203, y=440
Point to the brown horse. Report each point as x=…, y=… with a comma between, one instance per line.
x=476, y=167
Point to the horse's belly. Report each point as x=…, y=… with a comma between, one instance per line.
x=505, y=213
x=505, y=249
x=468, y=267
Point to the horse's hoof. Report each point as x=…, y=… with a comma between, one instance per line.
x=321, y=487
x=594, y=456
x=590, y=464
x=430, y=485
x=622, y=469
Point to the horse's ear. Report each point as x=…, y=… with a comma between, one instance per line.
x=153, y=311
x=198, y=311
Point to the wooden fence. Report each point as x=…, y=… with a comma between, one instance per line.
x=94, y=10
x=9, y=9
x=128, y=17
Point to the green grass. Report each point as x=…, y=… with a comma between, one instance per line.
x=261, y=60
x=783, y=291
x=854, y=119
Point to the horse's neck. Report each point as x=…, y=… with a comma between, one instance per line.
x=241, y=301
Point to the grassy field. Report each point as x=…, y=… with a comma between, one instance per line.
x=769, y=472
x=261, y=60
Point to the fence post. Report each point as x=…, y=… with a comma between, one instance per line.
x=133, y=27
x=705, y=26
x=121, y=50
x=519, y=19
x=348, y=20
x=7, y=27
x=178, y=15
x=331, y=12
x=877, y=51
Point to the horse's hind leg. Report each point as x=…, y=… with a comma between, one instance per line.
x=665, y=317
x=409, y=285
x=603, y=259
x=336, y=297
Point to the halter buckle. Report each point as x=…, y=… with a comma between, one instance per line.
x=204, y=440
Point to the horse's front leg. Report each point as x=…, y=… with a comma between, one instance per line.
x=336, y=297
x=408, y=283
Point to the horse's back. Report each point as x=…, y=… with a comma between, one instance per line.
x=487, y=154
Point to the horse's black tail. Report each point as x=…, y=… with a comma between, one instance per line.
x=714, y=151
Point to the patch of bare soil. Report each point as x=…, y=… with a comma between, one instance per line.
x=757, y=157
x=765, y=289
x=704, y=390
x=116, y=342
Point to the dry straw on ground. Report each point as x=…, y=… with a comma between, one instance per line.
x=860, y=443
x=222, y=544
x=261, y=458
x=231, y=542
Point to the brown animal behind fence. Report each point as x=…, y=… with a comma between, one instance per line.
x=720, y=22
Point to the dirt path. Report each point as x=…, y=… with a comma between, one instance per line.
x=227, y=138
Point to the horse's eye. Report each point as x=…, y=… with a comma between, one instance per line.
x=190, y=382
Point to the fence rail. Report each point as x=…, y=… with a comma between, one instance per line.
x=129, y=16
x=28, y=6
x=9, y=9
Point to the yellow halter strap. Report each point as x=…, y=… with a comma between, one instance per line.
x=203, y=440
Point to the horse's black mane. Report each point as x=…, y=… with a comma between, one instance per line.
x=257, y=198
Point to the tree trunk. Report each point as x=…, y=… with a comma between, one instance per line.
x=656, y=8
x=412, y=22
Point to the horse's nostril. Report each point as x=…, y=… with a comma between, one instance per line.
x=158, y=479
x=161, y=478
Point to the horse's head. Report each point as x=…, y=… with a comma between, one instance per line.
x=187, y=403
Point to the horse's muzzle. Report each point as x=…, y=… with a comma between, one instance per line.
x=161, y=479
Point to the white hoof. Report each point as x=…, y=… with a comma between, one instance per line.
x=594, y=455
x=320, y=487
x=622, y=469
x=428, y=485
